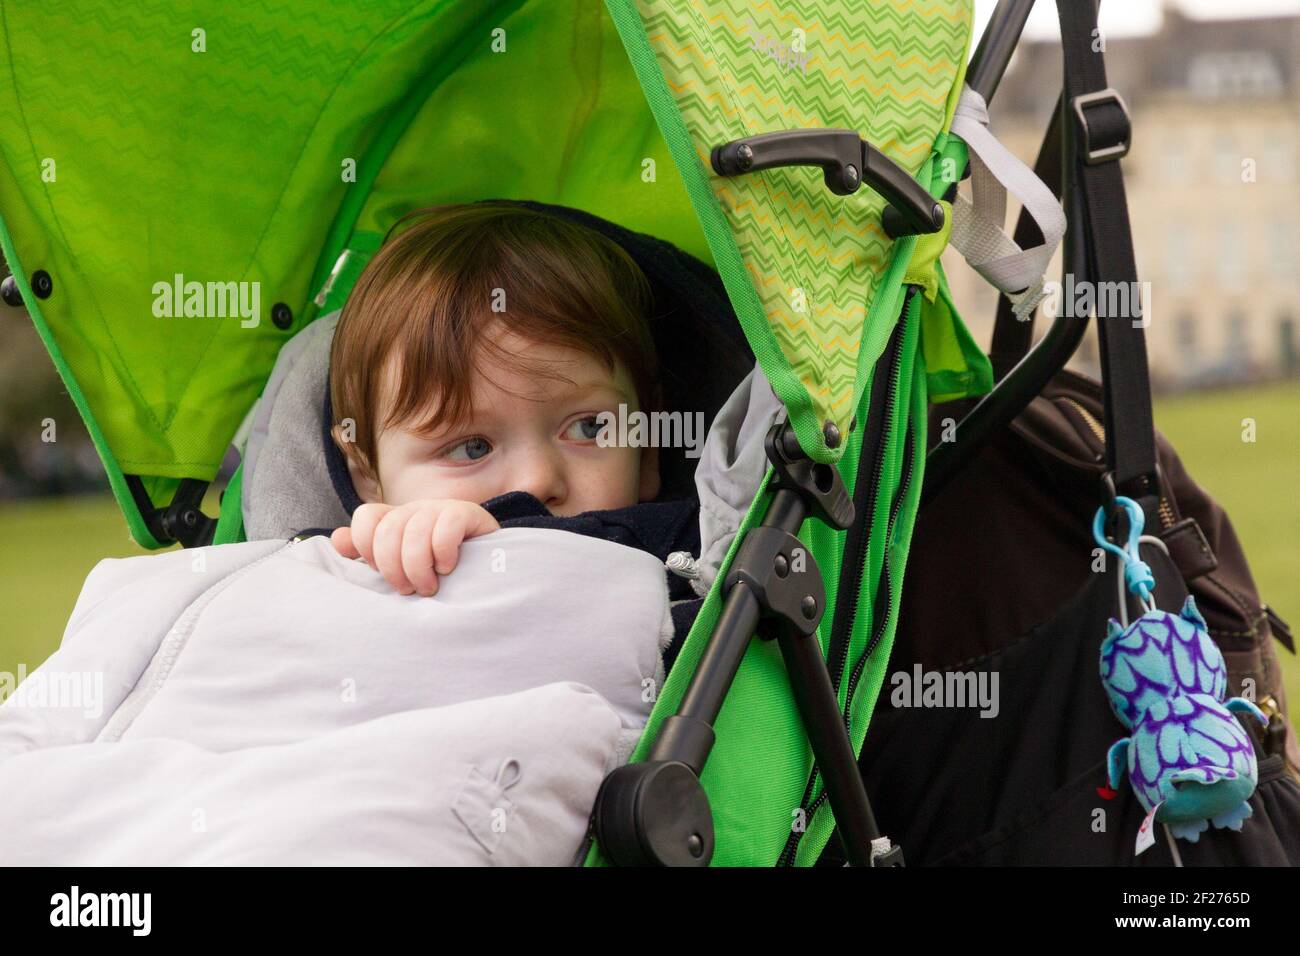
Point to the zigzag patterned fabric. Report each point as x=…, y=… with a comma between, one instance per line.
x=737, y=68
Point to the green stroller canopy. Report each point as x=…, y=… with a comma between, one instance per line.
x=169, y=174
x=183, y=190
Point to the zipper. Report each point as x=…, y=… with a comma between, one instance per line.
x=885, y=588
x=884, y=394
x=1166, y=514
x=1165, y=508
x=886, y=578
x=1094, y=426
x=876, y=438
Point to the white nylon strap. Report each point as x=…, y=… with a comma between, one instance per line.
x=977, y=226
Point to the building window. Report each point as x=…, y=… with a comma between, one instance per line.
x=1232, y=74
x=1231, y=255
x=1175, y=159
x=1278, y=163
x=1237, y=350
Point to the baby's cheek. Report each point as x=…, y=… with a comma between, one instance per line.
x=416, y=484
x=618, y=483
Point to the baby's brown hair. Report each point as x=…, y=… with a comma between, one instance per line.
x=432, y=293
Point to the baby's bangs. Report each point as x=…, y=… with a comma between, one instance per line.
x=439, y=395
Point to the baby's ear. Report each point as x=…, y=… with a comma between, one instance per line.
x=366, y=487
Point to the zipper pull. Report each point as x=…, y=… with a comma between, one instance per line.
x=683, y=565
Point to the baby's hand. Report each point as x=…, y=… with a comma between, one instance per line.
x=411, y=544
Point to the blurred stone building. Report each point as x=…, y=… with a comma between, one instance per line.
x=1213, y=184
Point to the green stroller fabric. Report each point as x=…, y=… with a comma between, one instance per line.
x=189, y=180
x=802, y=265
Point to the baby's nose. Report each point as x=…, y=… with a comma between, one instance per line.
x=543, y=478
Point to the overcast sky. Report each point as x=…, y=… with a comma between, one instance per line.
x=1120, y=17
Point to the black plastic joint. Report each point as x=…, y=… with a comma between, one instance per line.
x=654, y=813
x=182, y=520
x=891, y=857
x=779, y=569
x=819, y=484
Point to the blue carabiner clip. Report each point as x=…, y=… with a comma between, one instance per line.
x=1137, y=573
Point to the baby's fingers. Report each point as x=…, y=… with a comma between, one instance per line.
x=388, y=549
x=448, y=533
x=453, y=527
x=417, y=552
x=342, y=541
x=362, y=533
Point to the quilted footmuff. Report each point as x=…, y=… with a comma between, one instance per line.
x=275, y=703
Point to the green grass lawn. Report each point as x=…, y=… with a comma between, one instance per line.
x=1254, y=481
x=51, y=545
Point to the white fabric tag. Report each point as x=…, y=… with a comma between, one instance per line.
x=1147, y=831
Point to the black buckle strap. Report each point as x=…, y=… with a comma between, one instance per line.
x=1111, y=136
x=1098, y=203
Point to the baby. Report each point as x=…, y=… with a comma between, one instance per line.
x=472, y=359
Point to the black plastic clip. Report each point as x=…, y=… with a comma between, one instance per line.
x=183, y=520
x=847, y=161
x=785, y=579
x=893, y=856
x=1143, y=486
x=819, y=484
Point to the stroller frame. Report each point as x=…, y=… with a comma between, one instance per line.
x=655, y=811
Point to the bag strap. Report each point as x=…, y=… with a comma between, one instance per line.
x=1101, y=136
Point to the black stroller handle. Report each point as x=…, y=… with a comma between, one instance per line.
x=989, y=62
x=847, y=161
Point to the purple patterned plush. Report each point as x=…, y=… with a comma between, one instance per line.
x=1188, y=754
x=1154, y=654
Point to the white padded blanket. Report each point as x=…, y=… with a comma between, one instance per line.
x=275, y=703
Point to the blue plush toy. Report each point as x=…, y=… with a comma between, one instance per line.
x=1166, y=681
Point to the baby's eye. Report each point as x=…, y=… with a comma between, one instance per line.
x=583, y=429
x=472, y=449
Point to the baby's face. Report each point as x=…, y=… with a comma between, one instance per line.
x=524, y=434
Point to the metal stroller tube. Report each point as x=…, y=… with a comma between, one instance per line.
x=1026, y=380
x=656, y=811
x=992, y=54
